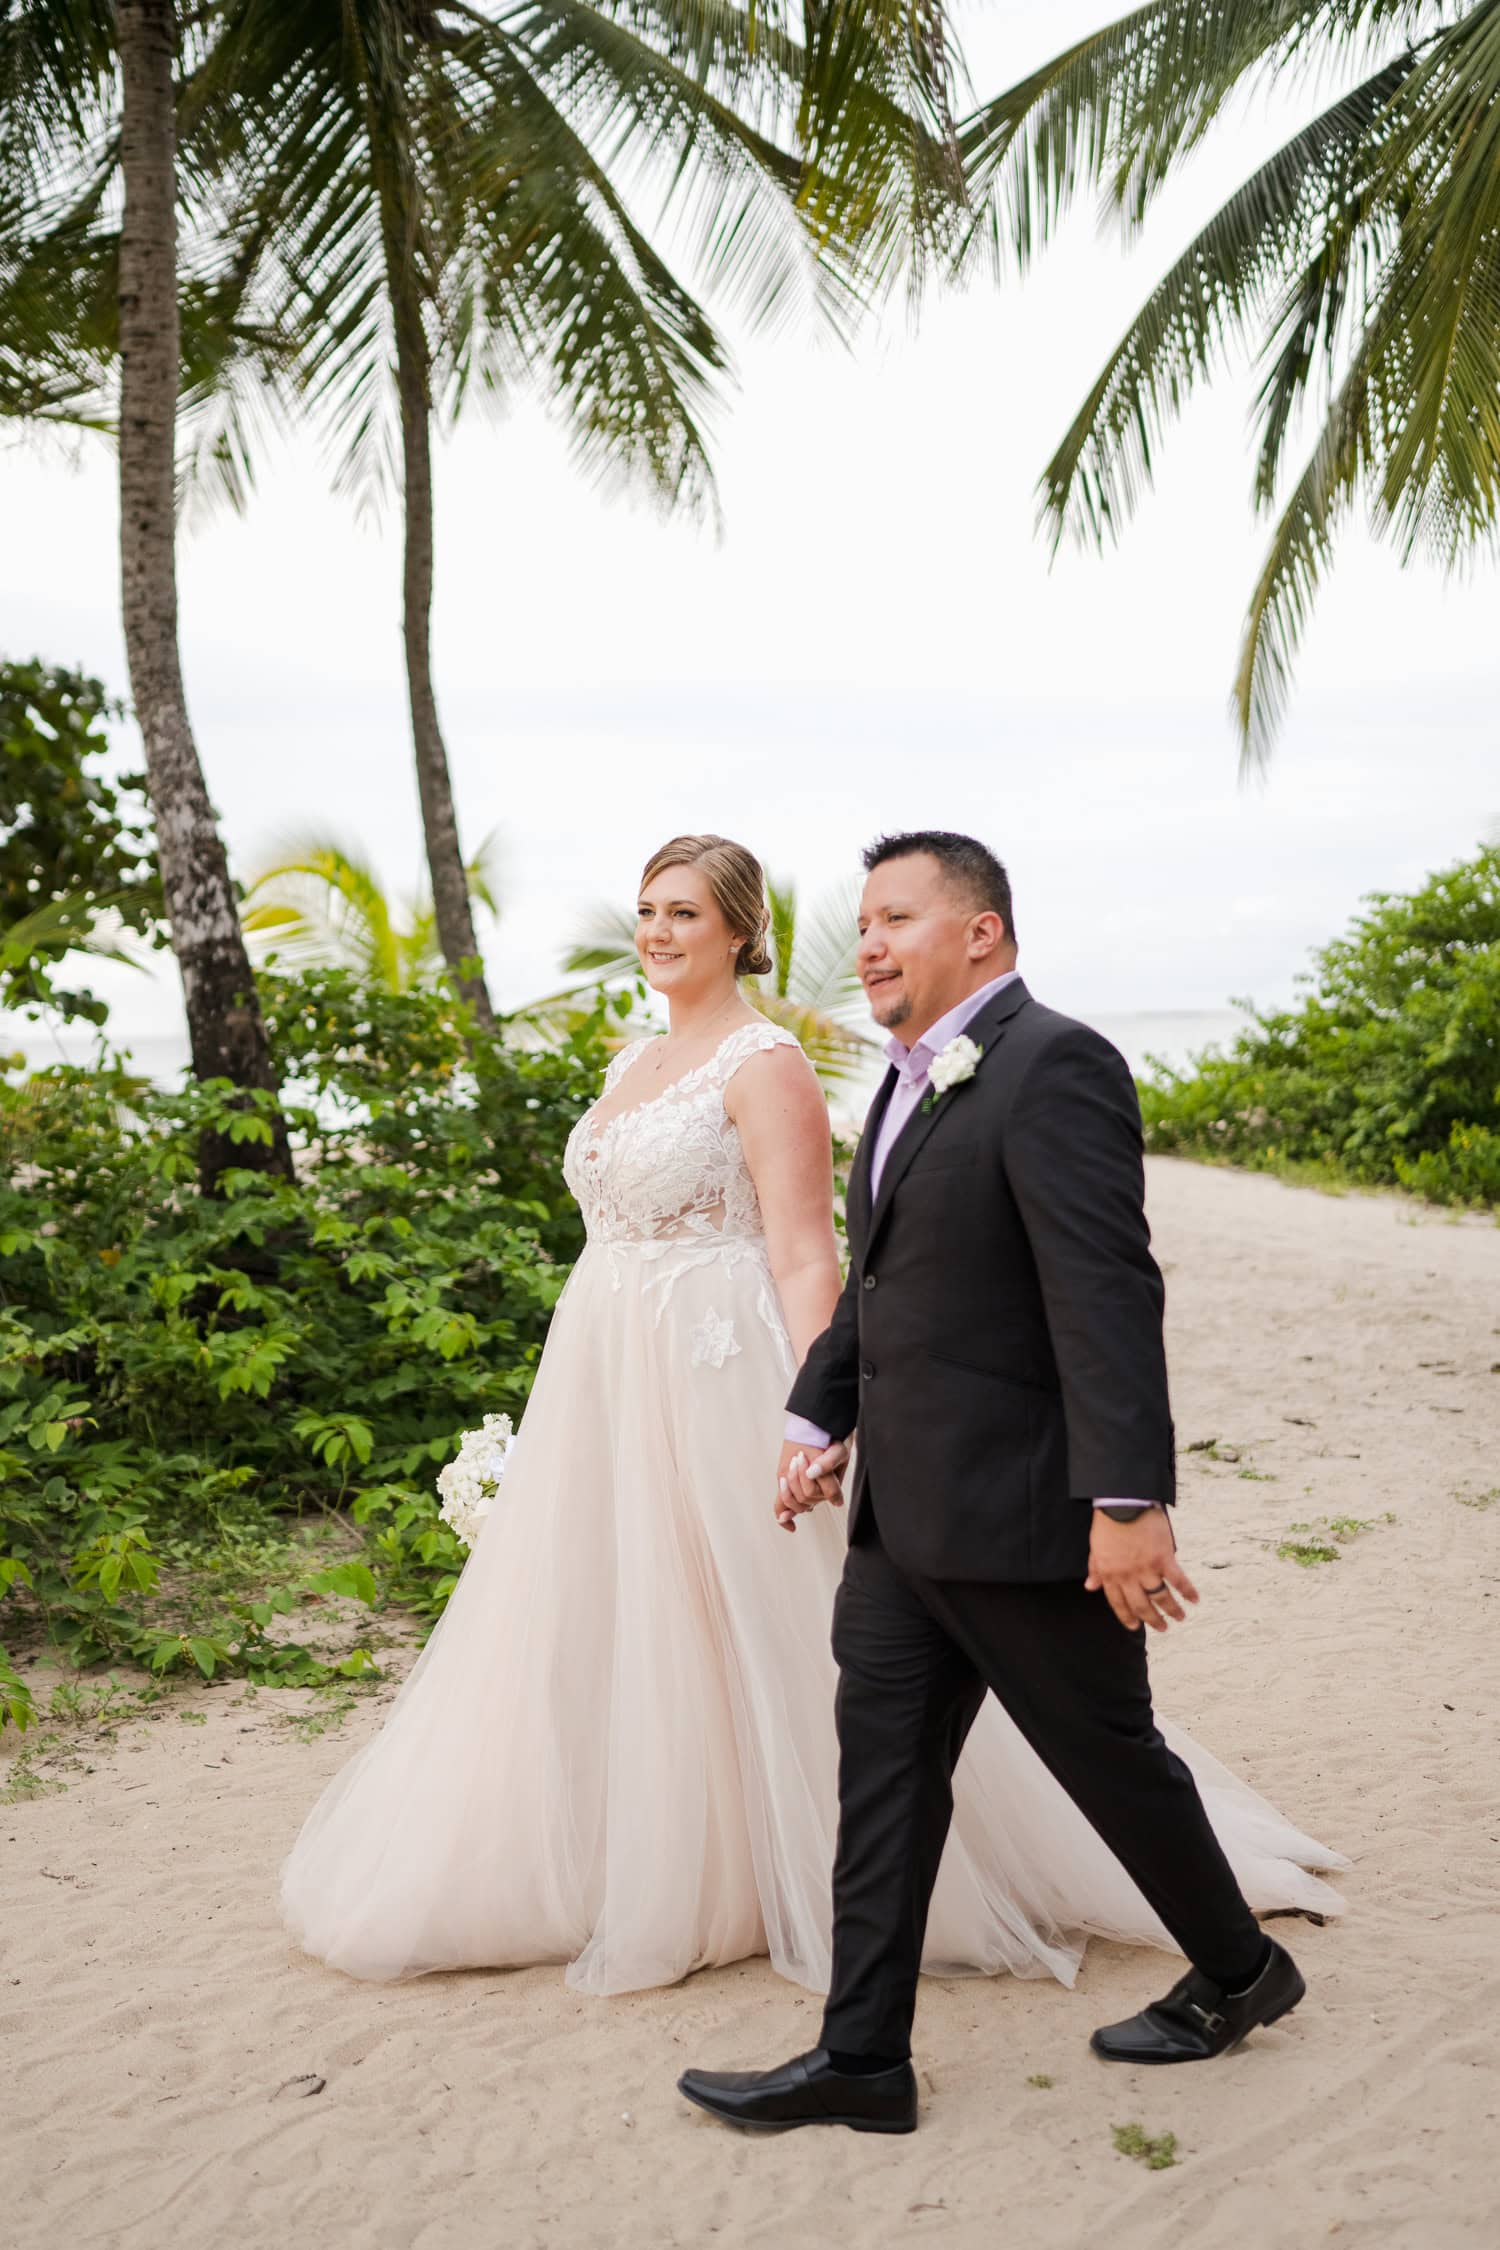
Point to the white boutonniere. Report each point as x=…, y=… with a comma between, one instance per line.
x=951, y=1066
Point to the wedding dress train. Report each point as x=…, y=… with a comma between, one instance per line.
x=617, y=1749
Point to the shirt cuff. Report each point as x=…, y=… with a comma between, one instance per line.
x=1115, y=1501
x=798, y=1432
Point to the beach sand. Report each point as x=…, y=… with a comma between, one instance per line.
x=160, y=2038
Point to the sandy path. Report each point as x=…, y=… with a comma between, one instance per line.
x=150, y=2009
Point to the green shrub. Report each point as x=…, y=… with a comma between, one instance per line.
x=177, y=1371
x=71, y=836
x=1387, y=1073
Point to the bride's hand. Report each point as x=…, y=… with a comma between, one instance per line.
x=802, y=1482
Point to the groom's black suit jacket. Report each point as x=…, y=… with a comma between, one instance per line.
x=999, y=1339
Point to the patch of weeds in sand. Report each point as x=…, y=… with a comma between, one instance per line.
x=1158, y=2152
x=101, y=1704
x=192, y=1718
x=1233, y=1456
x=27, y=1776
x=1307, y=1552
x=1478, y=1499
x=1040, y=2079
x=331, y=1710
x=1323, y=1540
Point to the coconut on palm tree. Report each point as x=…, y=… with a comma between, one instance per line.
x=1360, y=265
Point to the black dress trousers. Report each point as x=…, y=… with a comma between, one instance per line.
x=916, y=1657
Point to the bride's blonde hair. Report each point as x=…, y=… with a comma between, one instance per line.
x=738, y=883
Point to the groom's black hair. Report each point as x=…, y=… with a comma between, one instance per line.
x=970, y=866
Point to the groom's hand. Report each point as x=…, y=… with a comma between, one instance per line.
x=804, y=1478
x=1136, y=1566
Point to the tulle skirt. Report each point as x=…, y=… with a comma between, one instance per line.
x=617, y=1749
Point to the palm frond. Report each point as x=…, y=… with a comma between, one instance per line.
x=824, y=977
x=1298, y=555
x=781, y=898
x=1120, y=109
x=838, y=1055
x=1416, y=419
x=61, y=926
x=319, y=901
x=1307, y=204
x=604, y=946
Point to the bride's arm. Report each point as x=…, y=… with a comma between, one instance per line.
x=778, y=1105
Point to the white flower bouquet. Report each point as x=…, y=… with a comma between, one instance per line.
x=471, y=1479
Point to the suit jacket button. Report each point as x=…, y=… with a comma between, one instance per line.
x=866, y=1368
x=869, y=1281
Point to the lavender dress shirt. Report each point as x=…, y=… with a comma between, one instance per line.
x=912, y=1066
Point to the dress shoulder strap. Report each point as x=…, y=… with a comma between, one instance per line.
x=750, y=1039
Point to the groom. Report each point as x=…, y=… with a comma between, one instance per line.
x=999, y=1345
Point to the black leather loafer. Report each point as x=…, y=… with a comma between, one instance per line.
x=1198, y=2020
x=807, y=2091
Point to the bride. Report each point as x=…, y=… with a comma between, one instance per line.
x=617, y=1750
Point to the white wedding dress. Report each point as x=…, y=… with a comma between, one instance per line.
x=617, y=1750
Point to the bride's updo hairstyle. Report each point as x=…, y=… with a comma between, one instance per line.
x=738, y=883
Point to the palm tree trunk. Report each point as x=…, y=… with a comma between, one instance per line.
x=452, y=907
x=225, y=1029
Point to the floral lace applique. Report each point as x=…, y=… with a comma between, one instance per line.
x=665, y=1190
x=713, y=1341
x=671, y=1169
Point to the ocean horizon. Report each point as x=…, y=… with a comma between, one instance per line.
x=1169, y=1035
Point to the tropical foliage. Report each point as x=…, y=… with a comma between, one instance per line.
x=180, y=1371
x=392, y=207
x=1360, y=265
x=1387, y=1073
x=77, y=866
x=321, y=904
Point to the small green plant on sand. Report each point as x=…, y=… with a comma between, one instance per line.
x=1478, y=1499
x=1040, y=2079
x=1320, y=1542
x=1158, y=2153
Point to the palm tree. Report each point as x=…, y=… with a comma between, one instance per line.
x=814, y=987
x=435, y=191
x=432, y=192
x=320, y=903
x=74, y=75
x=1362, y=263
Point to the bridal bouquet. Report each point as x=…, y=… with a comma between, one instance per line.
x=472, y=1478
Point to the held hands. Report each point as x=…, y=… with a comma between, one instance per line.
x=1136, y=1566
x=804, y=1479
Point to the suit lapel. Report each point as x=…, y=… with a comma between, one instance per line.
x=986, y=1030
x=858, y=1199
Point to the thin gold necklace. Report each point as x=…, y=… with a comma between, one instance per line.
x=663, y=1045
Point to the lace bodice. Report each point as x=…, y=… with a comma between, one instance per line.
x=671, y=1169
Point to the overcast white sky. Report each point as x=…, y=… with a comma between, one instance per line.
x=876, y=642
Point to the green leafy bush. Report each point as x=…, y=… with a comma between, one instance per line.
x=71, y=838
x=179, y=1371
x=1387, y=1073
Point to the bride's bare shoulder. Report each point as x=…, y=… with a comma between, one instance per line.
x=770, y=1078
